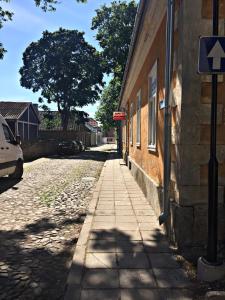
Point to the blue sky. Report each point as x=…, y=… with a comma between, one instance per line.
x=28, y=24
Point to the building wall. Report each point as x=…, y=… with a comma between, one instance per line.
x=149, y=161
x=190, y=106
x=28, y=125
x=146, y=165
x=191, y=132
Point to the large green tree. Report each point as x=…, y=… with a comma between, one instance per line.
x=108, y=104
x=6, y=15
x=114, y=25
x=51, y=120
x=50, y=4
x=65, y=69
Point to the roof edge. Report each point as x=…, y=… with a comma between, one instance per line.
x=30, y=104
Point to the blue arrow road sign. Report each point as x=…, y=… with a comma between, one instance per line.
x=211, y=55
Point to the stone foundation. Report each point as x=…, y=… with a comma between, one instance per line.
x=152, y=191
x=187, y=225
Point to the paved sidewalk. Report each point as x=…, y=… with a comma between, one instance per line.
x=122, y=253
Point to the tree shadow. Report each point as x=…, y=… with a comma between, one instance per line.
x=121, y=267
x=7, y=183
x=37, y=270
x=87, y=155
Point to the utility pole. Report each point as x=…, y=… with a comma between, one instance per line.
x=213, y=163
x=212, y=61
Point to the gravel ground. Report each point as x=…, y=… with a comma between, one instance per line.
x=40, y=220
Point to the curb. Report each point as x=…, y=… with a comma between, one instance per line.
x=73, y=288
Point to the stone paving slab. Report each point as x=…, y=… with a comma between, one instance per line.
x=126, y=254
x=137, y=278
x=100, y=278
x=163, y=260
x=109, y=294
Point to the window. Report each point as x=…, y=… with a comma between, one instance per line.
x=152, y=105
x=8, y=134
x=131, y=123
x=138, y=140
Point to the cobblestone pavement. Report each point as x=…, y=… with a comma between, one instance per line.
x=40, y=220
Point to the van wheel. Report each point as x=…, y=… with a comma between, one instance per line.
x=18, y=172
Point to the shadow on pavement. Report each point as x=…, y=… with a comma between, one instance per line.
x=35, y=272
x=122, y=268
x=87, y=155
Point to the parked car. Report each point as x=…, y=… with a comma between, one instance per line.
x=68, y=148
x=11, y=154
x=81, y=146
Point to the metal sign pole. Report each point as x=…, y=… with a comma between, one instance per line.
x=213, y=163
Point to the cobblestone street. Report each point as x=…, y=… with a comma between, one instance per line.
x=40, y=221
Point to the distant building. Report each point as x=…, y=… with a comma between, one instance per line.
x=109, y=136
x=92, y=126
x=92, y=122
x=22, y=118
x=80, y=127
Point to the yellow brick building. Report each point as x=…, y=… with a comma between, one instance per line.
x=143, y=132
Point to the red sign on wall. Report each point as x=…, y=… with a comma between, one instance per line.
x=119, y=115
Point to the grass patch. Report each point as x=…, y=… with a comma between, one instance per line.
x=50, y=192
x=49, y=195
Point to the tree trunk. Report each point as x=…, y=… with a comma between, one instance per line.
x=65, y=119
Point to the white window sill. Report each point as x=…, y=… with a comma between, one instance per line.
x=152, y=148
x=138, y=145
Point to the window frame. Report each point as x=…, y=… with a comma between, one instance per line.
x=152, y=107
x=138, y=125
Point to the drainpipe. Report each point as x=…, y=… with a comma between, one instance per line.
x=167, y=112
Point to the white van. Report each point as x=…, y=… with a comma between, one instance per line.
x=11, y=154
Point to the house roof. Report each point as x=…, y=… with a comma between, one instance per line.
x=92, y=122
x=90, y=127
x=13, y=110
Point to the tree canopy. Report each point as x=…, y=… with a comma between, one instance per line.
x=50, y=4
x=5, y=15
x=65, y=69
x=114, y=25
x=108, y=104
x=51, y=120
